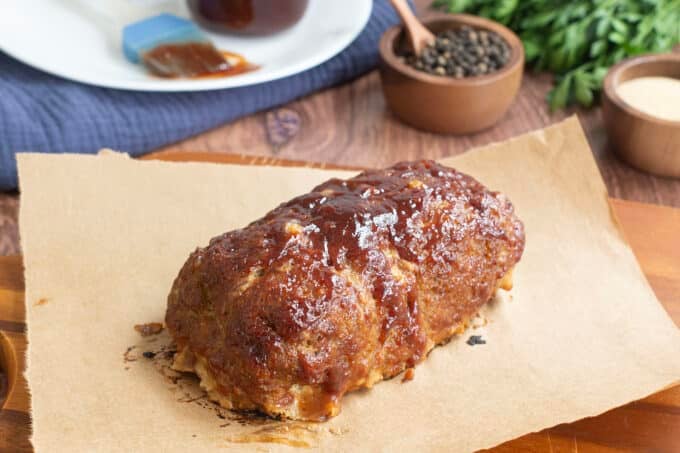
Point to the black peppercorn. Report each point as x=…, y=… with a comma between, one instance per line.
x=462, y=52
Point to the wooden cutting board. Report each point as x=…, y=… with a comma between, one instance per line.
x=651, y=424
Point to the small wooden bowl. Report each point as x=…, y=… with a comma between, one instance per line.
x=444, y=104
x=644, y=141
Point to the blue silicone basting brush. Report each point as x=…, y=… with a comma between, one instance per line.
x=168, y=45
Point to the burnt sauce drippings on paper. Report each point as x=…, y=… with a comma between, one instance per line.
x=158, y=351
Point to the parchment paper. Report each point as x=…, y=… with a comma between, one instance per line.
x=103, y=238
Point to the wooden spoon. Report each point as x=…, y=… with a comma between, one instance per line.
x=419, y=35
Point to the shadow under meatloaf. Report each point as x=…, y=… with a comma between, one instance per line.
x=340, y=288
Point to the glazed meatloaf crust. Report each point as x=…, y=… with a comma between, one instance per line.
x=340, y=288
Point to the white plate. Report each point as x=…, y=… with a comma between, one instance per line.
x=58, y=37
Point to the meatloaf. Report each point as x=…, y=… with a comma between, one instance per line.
x=337, y=289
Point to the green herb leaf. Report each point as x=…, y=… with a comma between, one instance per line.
x=582, y=90
x=532, y=48
x=539, y=20
x=505, y=8
x=598, y=48
x=602, y=27
x=617, y=38
x=559, y=96
x=620, y=26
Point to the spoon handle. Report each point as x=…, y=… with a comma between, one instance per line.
x=419, y=35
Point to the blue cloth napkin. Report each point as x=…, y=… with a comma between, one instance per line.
x=44, y=113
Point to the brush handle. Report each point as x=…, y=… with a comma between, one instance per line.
x=420, y=36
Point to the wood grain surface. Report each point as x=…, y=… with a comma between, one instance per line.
x=349, y=125
x=648, y=425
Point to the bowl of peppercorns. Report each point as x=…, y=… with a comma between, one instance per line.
x=463, y=82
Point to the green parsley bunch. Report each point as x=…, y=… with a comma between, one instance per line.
x=579, y=40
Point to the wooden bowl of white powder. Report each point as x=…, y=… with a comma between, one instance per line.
x=641, y=112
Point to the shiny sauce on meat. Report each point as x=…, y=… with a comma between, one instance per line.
x=348, y=220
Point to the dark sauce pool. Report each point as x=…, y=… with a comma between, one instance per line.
x=194, y=60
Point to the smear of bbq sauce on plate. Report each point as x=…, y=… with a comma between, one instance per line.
x=194, y=60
